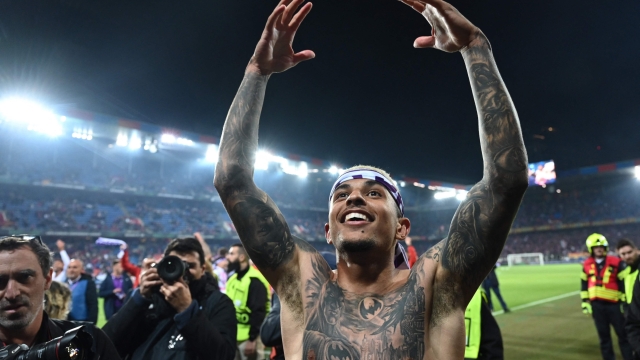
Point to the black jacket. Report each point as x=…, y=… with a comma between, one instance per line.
x=206, y=330
x=633, y=320
x=491, y=347
x=106, y=292
x=102, y=347
x=270, y=332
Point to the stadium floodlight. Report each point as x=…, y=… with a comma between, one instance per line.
x=36, y=117
x=440, y=195
x=403, y=184
x=168, y=138
x=184, y=141
x=333, y=170
x=122, y=140
x=289, y=169
x=262, y=160
x=135, y=143
x=280, y=160
x=212, y=154
x=82, y=134
x=303, y=169
x=637, y=171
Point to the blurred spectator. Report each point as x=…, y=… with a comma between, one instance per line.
x=57, y=301
x=60, y=265
x=411, y=251
x=84, y=295
x=115, y=289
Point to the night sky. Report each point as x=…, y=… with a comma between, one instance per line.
x=368, y=97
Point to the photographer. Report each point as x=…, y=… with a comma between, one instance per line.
x=25, y=275
x=190, y=317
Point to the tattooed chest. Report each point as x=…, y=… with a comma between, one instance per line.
x=344, y=326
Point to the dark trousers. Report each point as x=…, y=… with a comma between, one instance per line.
x=496, y=290
x=606, y=315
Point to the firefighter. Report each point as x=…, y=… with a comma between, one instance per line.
x=603, y=295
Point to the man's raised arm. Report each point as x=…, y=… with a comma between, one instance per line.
x=259, y=222
x=482, y=222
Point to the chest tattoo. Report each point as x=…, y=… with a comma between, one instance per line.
x=347, y=326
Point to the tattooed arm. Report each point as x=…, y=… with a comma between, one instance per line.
x=481, y=224
x=259, y=222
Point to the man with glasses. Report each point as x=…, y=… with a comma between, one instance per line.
x=25, y=275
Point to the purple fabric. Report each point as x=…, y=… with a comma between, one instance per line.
x=372, y=175
x=117, y=284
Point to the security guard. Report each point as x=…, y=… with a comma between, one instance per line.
x=631, y=256
x=602, y=293
x=483, y=340
x=249, y=291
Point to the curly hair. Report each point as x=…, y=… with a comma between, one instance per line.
x=57, y=301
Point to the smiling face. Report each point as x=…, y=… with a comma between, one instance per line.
x=22, y=288
x=364, y=216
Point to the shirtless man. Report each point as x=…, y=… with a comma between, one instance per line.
x=368, y=308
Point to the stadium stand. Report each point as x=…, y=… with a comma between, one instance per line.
x=77, y=189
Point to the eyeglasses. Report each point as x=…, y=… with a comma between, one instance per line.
x=24, y=238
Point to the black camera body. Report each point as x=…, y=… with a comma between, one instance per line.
x=171, y=269
x=75, y=344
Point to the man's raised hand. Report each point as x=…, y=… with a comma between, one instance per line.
x=450, y=31
x=274, y=52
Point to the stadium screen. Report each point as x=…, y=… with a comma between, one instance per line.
x=542, y=173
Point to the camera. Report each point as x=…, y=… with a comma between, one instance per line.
x=171, y=269
x=75, y=344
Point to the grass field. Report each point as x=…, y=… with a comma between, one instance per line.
x=539, y=326
x=539, y=329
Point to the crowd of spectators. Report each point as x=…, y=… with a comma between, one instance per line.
x=157, y=196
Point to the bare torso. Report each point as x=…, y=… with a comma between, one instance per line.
x=338, y=324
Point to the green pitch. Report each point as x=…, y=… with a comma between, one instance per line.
x=550, y=329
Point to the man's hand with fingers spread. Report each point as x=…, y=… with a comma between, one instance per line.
x=450, y=31
x=274, y=53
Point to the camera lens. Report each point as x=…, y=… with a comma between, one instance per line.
x=171, y=269
x=75, y=344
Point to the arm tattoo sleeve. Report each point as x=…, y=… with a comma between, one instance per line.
x=482, y=222
x=259, y=222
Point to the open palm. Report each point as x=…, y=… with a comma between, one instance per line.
x=274, y=52
x=450, y=31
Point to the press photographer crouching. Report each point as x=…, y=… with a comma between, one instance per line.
x=25, y=328
x=181, y=315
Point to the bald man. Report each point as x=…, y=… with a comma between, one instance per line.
x=84, y=296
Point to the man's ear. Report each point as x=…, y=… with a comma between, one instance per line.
x=326, y=233
x=403, y=228
x=48, y=279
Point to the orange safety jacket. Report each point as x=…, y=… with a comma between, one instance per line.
x=603, y=285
